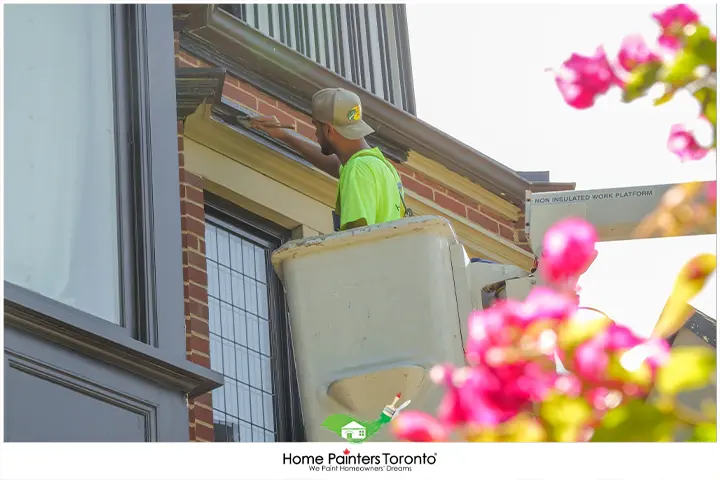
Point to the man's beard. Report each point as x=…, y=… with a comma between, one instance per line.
x=327, y=150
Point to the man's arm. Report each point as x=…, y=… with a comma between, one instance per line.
x=358, y=197
x=308, y=149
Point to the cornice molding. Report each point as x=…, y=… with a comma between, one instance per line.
x=286, y=74
x=196, y=86
x=249, y=73
x=276, y=163
x=462, y=185
x=478, y=241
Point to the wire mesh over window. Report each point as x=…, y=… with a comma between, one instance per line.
x=244, y=409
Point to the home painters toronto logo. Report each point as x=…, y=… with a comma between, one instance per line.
x=356, y=462
x=358, y=431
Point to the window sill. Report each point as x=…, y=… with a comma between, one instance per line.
x=103, y=341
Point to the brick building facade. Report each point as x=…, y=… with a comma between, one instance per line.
x=97, y=306
x=509, y=227
x=432, y=186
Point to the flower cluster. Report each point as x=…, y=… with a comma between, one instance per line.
x=689, y=48
x=673, y=21
x=511, y=354
x=511, y=388
x=682, y=143
x=584, y=78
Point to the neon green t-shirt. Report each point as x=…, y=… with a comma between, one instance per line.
x=369, y=189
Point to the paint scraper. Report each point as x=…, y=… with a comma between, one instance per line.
x=245, y=120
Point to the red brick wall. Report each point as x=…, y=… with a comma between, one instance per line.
x=520, y=238
x=252, y=98
x=197, y=343
x=457, y=203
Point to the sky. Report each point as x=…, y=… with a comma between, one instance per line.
x=479, y=74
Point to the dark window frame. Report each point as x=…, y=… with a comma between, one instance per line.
x=260, y=230
x=149, y=231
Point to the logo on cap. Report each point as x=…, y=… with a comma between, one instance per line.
x=354, y=113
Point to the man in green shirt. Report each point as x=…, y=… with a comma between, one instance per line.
x=369, y=188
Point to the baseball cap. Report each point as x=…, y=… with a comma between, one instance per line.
x=342, y=110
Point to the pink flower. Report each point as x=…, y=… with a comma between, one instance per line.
x=452, y=411
x=509, y=323
x=672, y=21
x=462, y=402
x=568, y=251
x=546, y=304
x=480, y=399
x=487, y=329
x=581, y=79
x=484, y=396
x=568, y=384
x=619, y=338
x=417, y=426
x=524, y=382
x=602, y=399
x=611, y=358
x=682, y=143
x=634, y=51
x=590, y=360
x=592, y=357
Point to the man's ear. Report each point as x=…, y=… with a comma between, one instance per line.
x=329, y=130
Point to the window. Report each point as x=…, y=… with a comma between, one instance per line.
x=93, y=304
x=92, y=228
x=61, y=227
x=249, y=341
x=367, y=44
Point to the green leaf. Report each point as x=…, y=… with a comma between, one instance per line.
x=705, y=432
x=522, y=428
x=666, y=97
x=707, y=96
x=564, y=417
x=585, y=324
x=688, y=368
x=682, y=70
x=689, y=282
x=701, y=45
x=641, y=79
x=635, y=421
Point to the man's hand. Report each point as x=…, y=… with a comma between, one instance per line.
x=308, y=149
x=270, y=125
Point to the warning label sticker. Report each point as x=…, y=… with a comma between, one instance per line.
x=584, y=197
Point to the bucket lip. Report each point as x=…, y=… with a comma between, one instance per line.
x=305, y=246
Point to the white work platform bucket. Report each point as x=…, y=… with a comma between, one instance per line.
x=372, y=310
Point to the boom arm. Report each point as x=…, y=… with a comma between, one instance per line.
x=615, y=212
